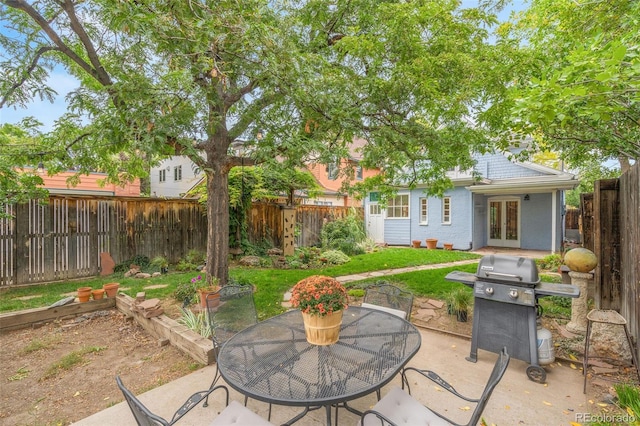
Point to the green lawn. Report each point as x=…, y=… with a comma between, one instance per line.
x=270, y=284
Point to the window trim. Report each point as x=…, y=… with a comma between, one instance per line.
x=405, y=209
x=332, y=171
x=177, y=173
x=162, y=175
x=423, y=205
x=446, y=205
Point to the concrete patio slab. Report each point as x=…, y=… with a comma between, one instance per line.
x=515, y=401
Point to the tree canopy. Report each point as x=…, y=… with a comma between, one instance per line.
x=160, y=77
x=579, y=91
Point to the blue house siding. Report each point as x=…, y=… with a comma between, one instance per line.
x=457, y=232
x=397, y=232
x=403, y=231
x=536, y=218
x=503, y=180
x=497, y=166
x=479, y=221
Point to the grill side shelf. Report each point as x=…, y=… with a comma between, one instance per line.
x=465, y=278
x=553, y=289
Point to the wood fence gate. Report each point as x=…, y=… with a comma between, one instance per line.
x=611, y=229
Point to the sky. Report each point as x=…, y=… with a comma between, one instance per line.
x=63, y=83
x=45, y=111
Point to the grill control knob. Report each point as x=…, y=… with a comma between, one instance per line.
x=513, y=294
x=488, y=291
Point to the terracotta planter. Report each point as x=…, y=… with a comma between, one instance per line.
x=322, y=330
x=416, y=243
x=111, y=289
x=214, y=300
x=448, y=246
x=431, y=243
x=97, y=294
x=84, y=293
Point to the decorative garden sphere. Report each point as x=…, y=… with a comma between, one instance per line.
x=580, y=260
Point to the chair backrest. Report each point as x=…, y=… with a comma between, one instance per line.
x=389, y=296
x=496, y=375
x=230, y=310
x=143, y=416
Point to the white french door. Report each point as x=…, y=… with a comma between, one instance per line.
x=504, y=222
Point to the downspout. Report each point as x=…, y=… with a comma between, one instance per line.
x=554, y=219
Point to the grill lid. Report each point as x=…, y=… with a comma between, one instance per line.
x=514, y=270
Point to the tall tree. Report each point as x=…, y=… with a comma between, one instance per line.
x=160, y=77
x=581, y=94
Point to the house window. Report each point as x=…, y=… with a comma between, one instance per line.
x=358, y=172
x=398, y=207
x=424, y=211
x=332, y=171
x=446, y=210
x=177, y=173
x=162, y=176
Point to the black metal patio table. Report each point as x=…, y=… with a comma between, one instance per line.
x=272, y=361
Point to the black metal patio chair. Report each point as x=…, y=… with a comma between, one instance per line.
x=400, y=408
x=389, y=298
x=229, y=310
x=234, y=413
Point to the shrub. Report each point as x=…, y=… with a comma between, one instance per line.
x=335, y=257
x=344, y=235
x=141, y=260
x=550, y=263
x=195, y=257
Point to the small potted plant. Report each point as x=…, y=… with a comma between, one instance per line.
x=321, y=300
x=461, y=299
x=204, y=288
x=161, y=263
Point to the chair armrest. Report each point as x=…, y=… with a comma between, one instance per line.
x=437, y=380
x=195, y=399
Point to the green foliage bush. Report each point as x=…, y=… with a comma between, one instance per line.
x=344, y=235
x=550, y=263
x=334, y=257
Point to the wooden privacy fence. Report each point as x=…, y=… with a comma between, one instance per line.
x=265, y=222
x=63, y=239
x=611, y=229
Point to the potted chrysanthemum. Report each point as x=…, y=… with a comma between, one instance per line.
x=321, y=300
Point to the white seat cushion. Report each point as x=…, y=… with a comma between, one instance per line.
x=402, y=409
x=237, y=414
x=396, y=312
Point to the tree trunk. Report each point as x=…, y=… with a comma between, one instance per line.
x=218, y=219
x=625, y=165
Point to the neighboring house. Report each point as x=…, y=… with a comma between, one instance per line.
x=174, y=177
x=90, y=184
x=515, y=204
x=331, y=177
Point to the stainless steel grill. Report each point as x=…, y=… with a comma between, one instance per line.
x=506, y=291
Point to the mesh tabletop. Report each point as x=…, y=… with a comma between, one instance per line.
x=273, y=362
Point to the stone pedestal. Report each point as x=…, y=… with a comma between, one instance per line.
x=579, y=310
